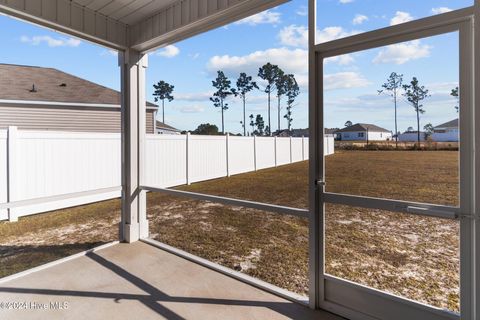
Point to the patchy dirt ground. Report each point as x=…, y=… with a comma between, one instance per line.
x=265, y=245
x=42, y=238
x=411, y=256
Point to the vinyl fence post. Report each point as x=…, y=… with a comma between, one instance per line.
x=227, y=138
x=12, y=136
x=188, y=157
x=291, y=151
x=255, y=153
x=325, y=145
x=303, y=148
x=275, y=149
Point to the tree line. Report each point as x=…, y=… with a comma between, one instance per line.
x=415, y=94
x=277, y=82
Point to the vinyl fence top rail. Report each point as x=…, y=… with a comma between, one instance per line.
x=28, y=202
x=303, y=213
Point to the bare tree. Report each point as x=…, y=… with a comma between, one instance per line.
x=292, y=90
x=415, y=94
x=244, y=86
x=222, y=84
x=392, y=88
x=257, y=124
x=268, y=72
x=280, y=84
x=454, y=94
x=252, y=123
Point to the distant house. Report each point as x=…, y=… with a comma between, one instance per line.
x=332, y=132
x=291, y=133
x=363, y=132
x=411, y=136
x=446, y=132
x=303, y=133
x=36, y=98
x=162, y=128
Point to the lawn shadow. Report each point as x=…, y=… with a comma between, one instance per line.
x=14, y=259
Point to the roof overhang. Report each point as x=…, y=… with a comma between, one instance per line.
x=57, y=104
x=142, y=25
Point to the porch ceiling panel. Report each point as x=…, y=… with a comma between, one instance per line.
x=140, y=24
x=70, y=17
x=131, y=11
x=185, y=18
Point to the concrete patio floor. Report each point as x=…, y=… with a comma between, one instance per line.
x=140, y=281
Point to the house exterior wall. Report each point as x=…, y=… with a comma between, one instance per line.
x=362, y=136
x=451, y=135
x=75, y=119
x=411, y=137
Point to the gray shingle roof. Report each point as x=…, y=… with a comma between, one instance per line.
x=449, y=124
x=161, y=125
x=363, y=127
x=52, y=85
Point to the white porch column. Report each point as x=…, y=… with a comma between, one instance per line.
x=134, y=224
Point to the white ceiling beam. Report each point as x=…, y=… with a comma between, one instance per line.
x=186, y=18
x=70, y=18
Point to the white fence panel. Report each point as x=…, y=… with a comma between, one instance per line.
x=55, y=163
x=241, y=154
x=166, y=160
x=328, y=147
x=39, y=164
x=283, y=151
x=265, y=152
x=306, y=150
x=207, y=157
x=297, y=149
x=3, y=173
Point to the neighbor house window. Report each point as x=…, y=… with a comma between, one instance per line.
x=361, y=135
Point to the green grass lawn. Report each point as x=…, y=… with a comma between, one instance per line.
x=416, y=257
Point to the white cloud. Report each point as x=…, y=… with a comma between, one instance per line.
x=302, y=11
x=50, y=41
x=403, y=52
x=359, y=19
x=441, y=88
x=440, y=10
x=344, y=80
x=401, y=17
x=342, y=60
x=345, y=1
x=294, y=36
x=290, y=60
x=194, y=56
x=191, y=109
x=294, y=61
x=265, y=17
x=332, y=33
x=200, y=96
x=169, y=51
x=297, y=36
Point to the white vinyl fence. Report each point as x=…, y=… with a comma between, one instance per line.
x=43, y=164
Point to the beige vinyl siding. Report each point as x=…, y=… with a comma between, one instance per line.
x=55, y=118
x=150, y=121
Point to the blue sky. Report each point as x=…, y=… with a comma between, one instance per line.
x=279, y=36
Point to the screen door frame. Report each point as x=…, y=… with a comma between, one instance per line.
x=352, y=299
